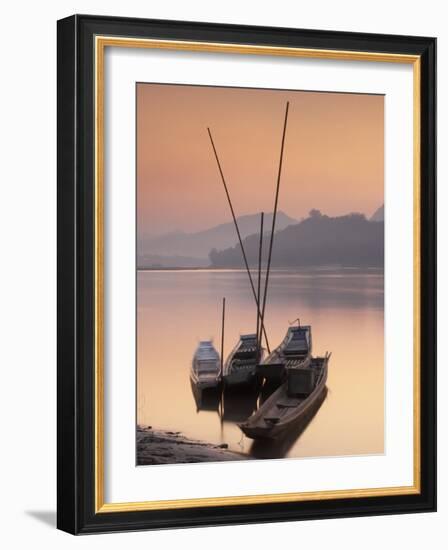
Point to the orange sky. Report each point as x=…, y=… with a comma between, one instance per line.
x=333, y=160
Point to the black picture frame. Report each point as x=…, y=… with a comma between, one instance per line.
x=76, y=286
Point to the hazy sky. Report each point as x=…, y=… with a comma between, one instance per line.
x=333, y=160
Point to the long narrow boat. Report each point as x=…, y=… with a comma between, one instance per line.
x=292, y=404
x=241, y=365
x=293, y=352
x=205, y=373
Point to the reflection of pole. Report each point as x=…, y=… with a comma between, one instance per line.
x=222, y=358
x=222, y=335
x=260, y=252
x=239, y=238
x=274, y=215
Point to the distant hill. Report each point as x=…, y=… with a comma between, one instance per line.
x=198, y=245
x=378, y=215
x=155, y=261
x=350, y=240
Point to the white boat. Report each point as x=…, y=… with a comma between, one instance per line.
x=205, y=373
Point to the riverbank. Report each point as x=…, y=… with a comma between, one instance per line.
x=167, y=447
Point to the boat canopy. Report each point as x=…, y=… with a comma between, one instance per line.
x=298, y=341
x=248, y=337
x=247, y=346
x=206, y=352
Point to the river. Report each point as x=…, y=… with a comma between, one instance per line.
x=177, y=308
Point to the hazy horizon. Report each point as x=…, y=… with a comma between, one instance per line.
x=229, y=220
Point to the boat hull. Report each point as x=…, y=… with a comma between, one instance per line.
x=297, y=424
x=256, y=428
x=240, y=368
x=273, y=369
x=205, y=385
x=241, y=377
x=205, y=372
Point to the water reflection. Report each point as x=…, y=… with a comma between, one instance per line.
x=206, y=400
x=345, y=308
x=239, y=404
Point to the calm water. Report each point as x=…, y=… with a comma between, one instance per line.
x=345, y=308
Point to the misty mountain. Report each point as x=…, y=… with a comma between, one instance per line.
x=319, y=240
x=199, y=244
x=378, y=215
x=155, y=261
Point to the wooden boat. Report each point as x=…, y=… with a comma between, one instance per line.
x=292, y=403
x=205, y=373
x=241, y=365
x=293, y=352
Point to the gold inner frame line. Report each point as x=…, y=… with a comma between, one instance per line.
x=101, y=42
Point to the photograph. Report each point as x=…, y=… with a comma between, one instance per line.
x=259, y=274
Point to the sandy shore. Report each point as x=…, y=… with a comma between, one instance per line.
x=166, y=447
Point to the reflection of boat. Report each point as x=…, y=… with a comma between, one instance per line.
x=241, y=365
x=292, y=402
x=206, y=400
x=205, y=373
x=293, y=352
x=239, y=405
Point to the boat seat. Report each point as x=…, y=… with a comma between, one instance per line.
x=288, y=402
x=272, y=419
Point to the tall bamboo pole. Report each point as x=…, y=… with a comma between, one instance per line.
x=274, y=216
x=239, y=238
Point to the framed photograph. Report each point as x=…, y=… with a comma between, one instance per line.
x=246, y=274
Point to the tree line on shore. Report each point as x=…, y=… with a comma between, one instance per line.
x=351, y=241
